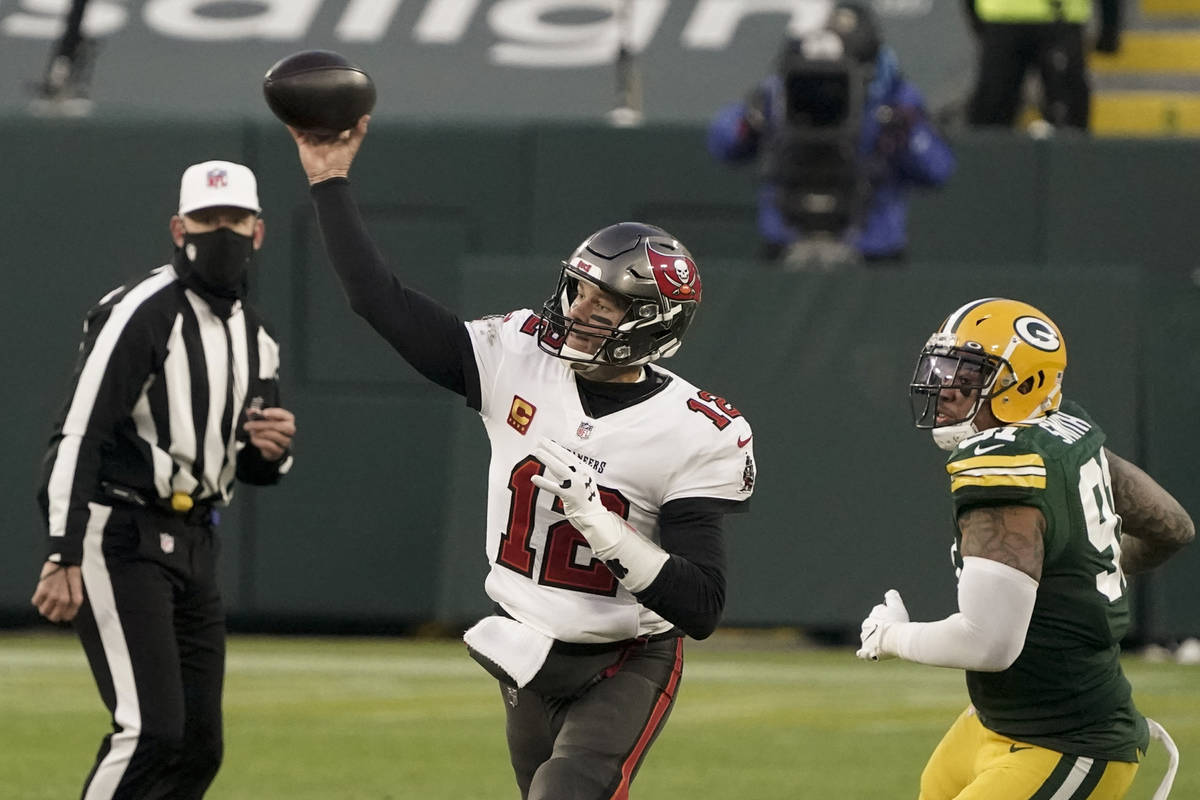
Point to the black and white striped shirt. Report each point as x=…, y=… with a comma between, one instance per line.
x=157, y=404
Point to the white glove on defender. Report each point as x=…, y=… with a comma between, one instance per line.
x=633, y=559
x=987, y=634
x=890, y=612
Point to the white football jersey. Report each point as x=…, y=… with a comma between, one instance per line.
x=680, y=442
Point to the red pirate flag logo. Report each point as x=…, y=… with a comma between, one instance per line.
x=676, y=275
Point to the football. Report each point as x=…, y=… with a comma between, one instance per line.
x=318, y=92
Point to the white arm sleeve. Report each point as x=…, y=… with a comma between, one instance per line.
x=995, y=603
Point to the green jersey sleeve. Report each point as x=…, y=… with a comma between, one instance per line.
x=998, y=467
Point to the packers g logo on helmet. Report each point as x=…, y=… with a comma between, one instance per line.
x=1008, y=353
x=1038, y=333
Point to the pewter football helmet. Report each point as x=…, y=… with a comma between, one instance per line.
x=643, y=267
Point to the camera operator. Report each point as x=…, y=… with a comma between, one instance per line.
x=840, y=137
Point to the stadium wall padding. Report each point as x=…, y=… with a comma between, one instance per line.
x=381, y=520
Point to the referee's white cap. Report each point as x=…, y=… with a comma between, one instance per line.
x=218, y=183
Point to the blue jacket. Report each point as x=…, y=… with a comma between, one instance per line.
x=924, y=158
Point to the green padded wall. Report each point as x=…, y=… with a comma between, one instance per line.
x=381, y=519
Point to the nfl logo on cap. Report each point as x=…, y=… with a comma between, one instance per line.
x=218, y=183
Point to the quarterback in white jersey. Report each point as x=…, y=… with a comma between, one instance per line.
x=608, y=484
x=678, y=442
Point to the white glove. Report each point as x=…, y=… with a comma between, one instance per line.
x=633, y=559
x=576, y=486
x=888, y=613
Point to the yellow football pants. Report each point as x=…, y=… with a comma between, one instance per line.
x=974, y=763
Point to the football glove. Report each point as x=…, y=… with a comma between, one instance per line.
x=890, y=612
x=633, y=559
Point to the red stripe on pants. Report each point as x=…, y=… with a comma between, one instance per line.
x=656, y=716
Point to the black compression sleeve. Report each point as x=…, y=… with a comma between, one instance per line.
x=689, y=591
x=427, y=334
x=252, y=468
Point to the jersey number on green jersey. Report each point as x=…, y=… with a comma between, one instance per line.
x=1103, y=524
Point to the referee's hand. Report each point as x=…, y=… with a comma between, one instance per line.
x=271, y=431
x=59, y=592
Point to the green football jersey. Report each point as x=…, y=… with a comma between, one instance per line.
x=1066, y=691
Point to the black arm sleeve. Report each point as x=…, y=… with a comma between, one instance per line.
x=689, y=591
x=252, y=468
x=427, y=334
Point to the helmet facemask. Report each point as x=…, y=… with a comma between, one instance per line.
x=971, y=374
x=641, y=334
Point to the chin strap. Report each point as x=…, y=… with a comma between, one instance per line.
x=949, y=436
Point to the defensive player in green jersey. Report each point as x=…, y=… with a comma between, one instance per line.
x=1049, y=522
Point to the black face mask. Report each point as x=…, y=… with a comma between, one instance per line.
x=219, y=260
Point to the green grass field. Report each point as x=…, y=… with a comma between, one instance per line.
x=758, y=718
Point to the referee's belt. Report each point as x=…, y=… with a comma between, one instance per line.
x=179, y=503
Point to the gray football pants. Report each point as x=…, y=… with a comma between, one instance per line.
x=581, y=728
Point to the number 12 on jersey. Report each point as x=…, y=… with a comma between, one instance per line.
x=717, y=409
x=560, y=561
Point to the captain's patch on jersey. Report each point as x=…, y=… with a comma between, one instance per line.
x=520, y=414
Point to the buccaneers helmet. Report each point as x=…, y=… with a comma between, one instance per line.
x=649, y=272
x=1006, y=353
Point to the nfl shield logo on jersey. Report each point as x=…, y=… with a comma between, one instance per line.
x=167, y=542
x=584, y=430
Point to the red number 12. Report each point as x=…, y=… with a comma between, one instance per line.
x=563, y=540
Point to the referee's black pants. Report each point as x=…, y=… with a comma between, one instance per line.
x=153, y=628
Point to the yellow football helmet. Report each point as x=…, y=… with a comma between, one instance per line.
x=1004, y=353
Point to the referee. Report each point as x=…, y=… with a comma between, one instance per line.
x=175, y=394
